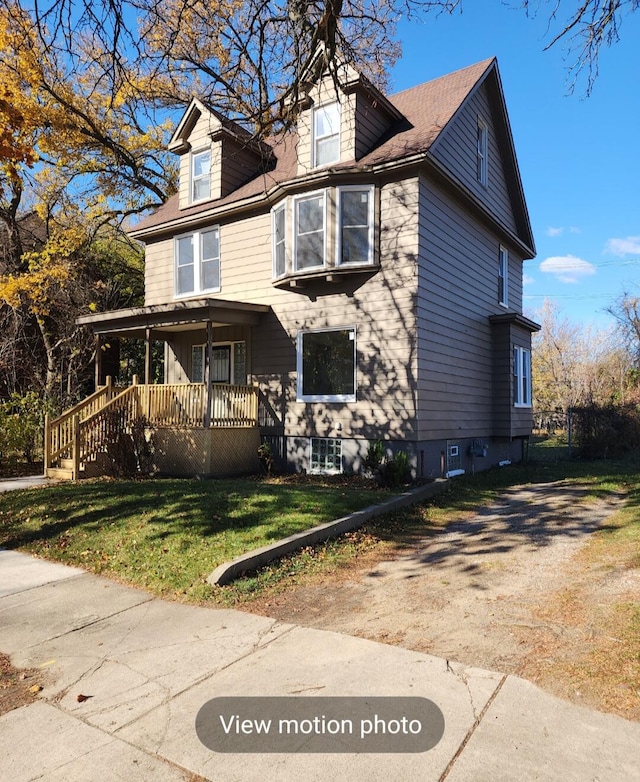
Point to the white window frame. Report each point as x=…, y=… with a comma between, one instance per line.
x=197, y=239
x=323, y=469
x=503, y=276
x=316, y=137
x=482, y=171
x=281, y=207
x=521, y=377
x=370, y=190
x=301, y=397
x=193, y=178
x=294, y=227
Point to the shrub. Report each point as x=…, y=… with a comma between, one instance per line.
x=375, y=456
x=605, y=432
x=21, y=425
x=396, y=471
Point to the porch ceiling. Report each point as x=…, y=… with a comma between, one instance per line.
x=175, y=316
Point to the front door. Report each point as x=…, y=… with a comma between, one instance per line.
x=221, y=364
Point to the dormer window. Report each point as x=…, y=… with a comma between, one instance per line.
x=326, y=134
x=201, y=175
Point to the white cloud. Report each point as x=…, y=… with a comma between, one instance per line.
x=527, y=279
x=575, y=230
x=551, y=231
x=621, y=247
x=567, y=268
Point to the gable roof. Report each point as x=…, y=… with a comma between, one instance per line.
x=427, y=110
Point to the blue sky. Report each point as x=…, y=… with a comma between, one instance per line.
x=579, y=156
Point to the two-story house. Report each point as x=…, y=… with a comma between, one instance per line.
x=358, y=278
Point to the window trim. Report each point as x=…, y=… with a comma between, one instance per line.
x=370, y=189
x=522, y=391
x=482, y=150
x=503, y=276
x=193, y=178
x=197, y=237
x=281, y=207
x=315, y=137
x=340, y=398
x=294, y=226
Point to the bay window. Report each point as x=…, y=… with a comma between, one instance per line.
x=309, y=234
x=355, y=225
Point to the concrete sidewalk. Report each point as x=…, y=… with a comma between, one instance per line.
x=148, y=666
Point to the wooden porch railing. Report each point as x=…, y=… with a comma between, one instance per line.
x=61, y=433
x=85, y=430
x=96, y=431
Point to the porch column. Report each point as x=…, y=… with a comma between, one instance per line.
x=147, y=356
x=98, y=360
x=207, y=376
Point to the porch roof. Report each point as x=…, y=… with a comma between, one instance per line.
x=174, y=316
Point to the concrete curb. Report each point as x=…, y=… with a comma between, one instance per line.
x=253, y=560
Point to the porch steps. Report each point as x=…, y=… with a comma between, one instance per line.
x=60, y=473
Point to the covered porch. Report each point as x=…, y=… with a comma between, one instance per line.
x=197, y=428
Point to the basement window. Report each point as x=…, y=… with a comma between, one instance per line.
x=326, y=455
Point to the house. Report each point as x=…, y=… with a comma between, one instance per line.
x=356, y=279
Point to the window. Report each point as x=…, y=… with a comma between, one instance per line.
x=327, y=365
x=200, y=175
x=279, y=233
x=482, y=153
x=228, y=363
x=197, y=262
x=454, y=459
x=350, y=228
x=326, y=134
x=521, y=377
x=503, y=277
x=309, y=231
x=326, y=455
x=355, y=231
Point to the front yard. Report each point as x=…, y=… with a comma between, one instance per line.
x=168, y=535
x=568, y=619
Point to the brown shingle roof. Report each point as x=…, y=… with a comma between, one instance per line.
x=427, y=110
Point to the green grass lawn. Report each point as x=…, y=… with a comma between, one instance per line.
x=168, y=535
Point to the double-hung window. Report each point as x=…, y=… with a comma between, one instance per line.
x=200, y=175
x=521, y=377
x=327, y=365
x=326, y=134
x=309, y=231
x=197, y=262
x=355, y=225
x=503, y=277
x=481, y=158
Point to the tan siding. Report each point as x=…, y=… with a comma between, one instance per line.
x=158, y=272
x=380, y=307
x=457, y=151
x=457, y=292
